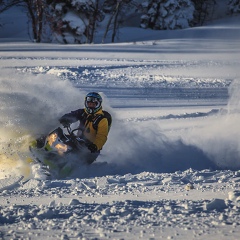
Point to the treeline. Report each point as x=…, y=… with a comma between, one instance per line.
x=78, y=21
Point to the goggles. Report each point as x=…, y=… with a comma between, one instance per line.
x=92, y=99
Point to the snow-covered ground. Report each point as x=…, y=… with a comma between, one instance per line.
x=171, y=166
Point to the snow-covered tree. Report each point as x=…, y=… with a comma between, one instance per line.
x=167, y=14
x=234, y=6
x=204, y=9
x=73, y=21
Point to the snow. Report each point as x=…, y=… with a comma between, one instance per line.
x=170, y=168
x=72, y=19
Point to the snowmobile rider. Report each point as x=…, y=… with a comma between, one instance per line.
x=94, y=127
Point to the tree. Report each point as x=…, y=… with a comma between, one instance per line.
x=74, y=21
x=1, y=6
x=203, y=10
x=117, y=11
x=36, y=13
x=34, y=10
x=5, y=5
x=234, y=6
x=114, y=15
x=167, y=14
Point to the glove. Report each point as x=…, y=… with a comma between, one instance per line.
x=92, y=147
x=64, y=122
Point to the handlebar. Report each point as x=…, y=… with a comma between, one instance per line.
x=79, y=142
x=71, y=131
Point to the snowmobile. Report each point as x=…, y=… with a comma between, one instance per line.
x=58, y=152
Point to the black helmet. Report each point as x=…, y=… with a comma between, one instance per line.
x=93, y=97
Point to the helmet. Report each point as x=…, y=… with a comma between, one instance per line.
x=93, y=97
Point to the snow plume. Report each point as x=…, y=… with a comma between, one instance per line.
x=31, y=105
x=137, y=147
x=220, y=139
x=35, y=102
x=134, y=147
x=234, y=100
x=231, y=130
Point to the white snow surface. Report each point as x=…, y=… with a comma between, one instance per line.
x=171, y=166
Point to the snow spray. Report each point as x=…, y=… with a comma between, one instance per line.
x=220, y=138
x=234, y=99
x=225, y=147
x=140, y=146
x=214, y=145
x=30, y=105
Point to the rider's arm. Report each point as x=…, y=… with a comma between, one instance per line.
x=72, y=117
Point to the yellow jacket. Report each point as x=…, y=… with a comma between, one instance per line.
x=98, y=137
